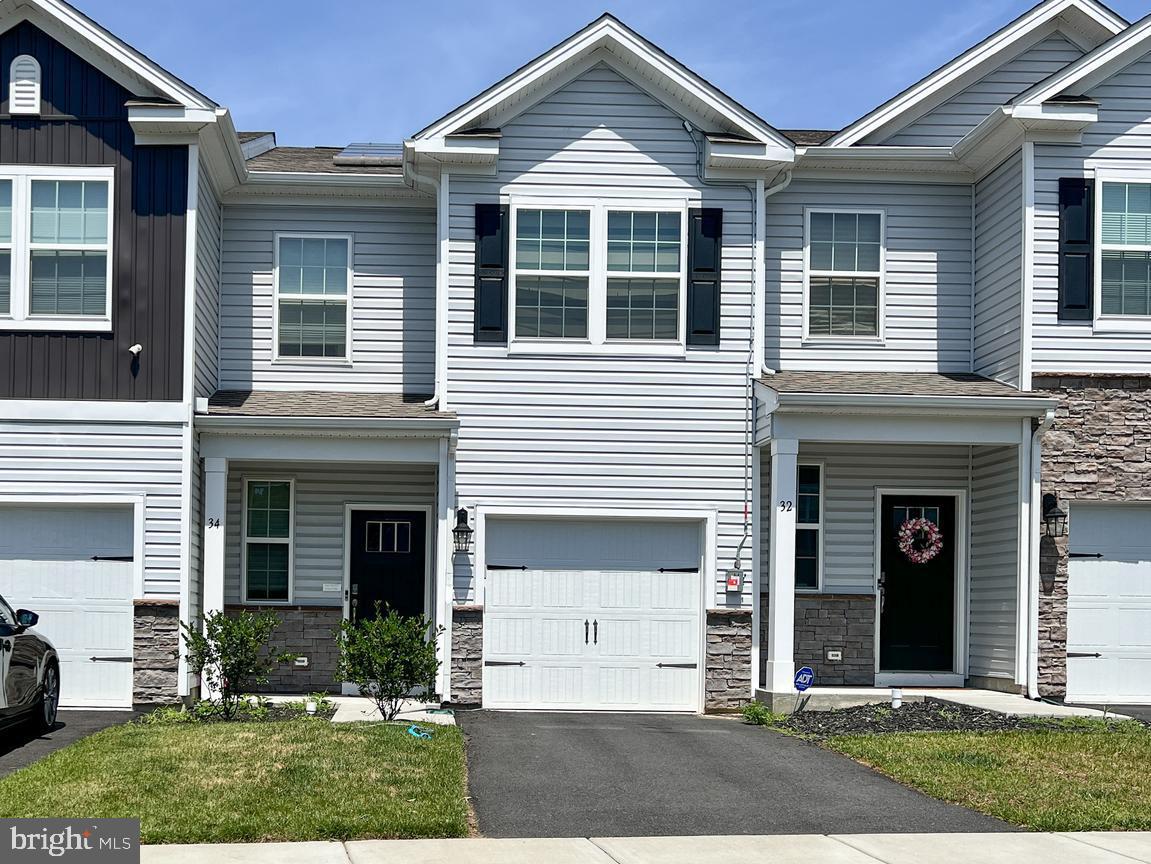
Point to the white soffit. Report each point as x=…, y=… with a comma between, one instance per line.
x=1085, y=22
x=643, y=61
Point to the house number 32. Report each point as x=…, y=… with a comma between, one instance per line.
x=785, y=506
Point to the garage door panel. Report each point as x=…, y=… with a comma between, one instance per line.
x=605, y=583
x=85, y=605
x=1109, y=604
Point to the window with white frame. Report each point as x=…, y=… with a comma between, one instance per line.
x=1125, y=250
x=809, y=527
x=267, y=541
x=599, y=274
x=844, y=273
x=313, y=290
x=55, y=248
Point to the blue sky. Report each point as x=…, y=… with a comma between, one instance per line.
x=379, y=70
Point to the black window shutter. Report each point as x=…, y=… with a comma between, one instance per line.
x=704, y=246
x=1076, y=255
x=491, y=300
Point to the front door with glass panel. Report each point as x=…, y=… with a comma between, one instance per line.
x=917, y=583
x=387, y=562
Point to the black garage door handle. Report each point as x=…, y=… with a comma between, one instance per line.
x=110, y=659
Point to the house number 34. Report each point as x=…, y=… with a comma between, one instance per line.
x=213, y=521
x=785, y=506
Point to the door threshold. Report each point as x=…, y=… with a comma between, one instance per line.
x=918, y=679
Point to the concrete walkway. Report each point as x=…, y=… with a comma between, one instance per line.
x=1086, y=848
x=357, y=709
x=827, y=698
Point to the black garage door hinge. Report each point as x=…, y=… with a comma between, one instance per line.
x=112, y=558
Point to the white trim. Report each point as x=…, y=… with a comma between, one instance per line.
x=1027, y=312
x=707, y=572
x=845, y=341
x=428, y=511
x=346, y=359
x=288, y=541
x=79, y=411
x=625, y=42
x=1101, y=323
x=936, y=86
x=807, y=526
x=19, y=316
x=187, y=468
x=138, y=503
x=959, y=614
x=597, y=275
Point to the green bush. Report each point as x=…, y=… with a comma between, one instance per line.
x=758, y=714
x=231, y=653
x=389, y=656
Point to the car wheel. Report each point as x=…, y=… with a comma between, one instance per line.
x=49, y=699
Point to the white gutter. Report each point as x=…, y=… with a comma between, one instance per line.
x=759, y=278
x=1033, y=406
x=439, y=186
x=401, y=426
x=1026, y=312
x=1033, y=562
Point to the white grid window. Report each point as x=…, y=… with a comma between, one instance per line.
x=809, y=527
x=844, y=274
x=550, y=243
x=267, y=541
x=313, y=312
x=1125, y=250
x=645, y=274
x=388, y=537
x=55, y=248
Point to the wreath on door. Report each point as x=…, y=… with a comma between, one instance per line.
x=920, y=540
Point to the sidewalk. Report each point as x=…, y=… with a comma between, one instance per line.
x=1086, y=848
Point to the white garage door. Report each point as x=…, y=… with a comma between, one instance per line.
x=592, y=615
x=1109, y=604
x=60, y=562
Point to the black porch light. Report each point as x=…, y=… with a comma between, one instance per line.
x=1054, y=517
x=462, y=533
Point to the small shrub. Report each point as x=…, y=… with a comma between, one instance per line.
x=168, y=714
x=758, y=714
x=389, y=656
x=230, y=653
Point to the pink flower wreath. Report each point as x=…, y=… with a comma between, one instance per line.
x=920, y=540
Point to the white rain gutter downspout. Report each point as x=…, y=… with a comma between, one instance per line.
x=759, y=267
x=439, y=187
x=1033, y=579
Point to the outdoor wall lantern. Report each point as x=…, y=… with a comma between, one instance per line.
x=462, y=533
x=1054, y=517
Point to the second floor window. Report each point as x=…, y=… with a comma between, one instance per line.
x=55, y=248
x=844, y=274
x=313, y=292
x=553, y=268
x=1125, y=249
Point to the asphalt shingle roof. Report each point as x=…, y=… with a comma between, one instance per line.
x=891, y=384
x=313, y=160
x=309, y=403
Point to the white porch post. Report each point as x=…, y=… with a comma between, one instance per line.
x=781, y=567
x=215, y=530
x=445, y=505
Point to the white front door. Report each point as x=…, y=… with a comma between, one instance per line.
x=1109, y=604
x=592, y=615
x=73, y=566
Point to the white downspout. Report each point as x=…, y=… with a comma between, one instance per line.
x=759, y=267
x=1033, y=564
x=439, y=187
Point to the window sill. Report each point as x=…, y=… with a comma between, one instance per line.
x=846, y=341
x=312, y=361
x=1119, y=325
x=575, y=348
x=58, y=325
x=266, y=603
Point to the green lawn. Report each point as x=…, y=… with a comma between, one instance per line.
x=235, y=782
x=1042, y=780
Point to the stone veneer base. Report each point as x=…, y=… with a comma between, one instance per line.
x=1099, y=449
x=467, y=655
x=727, y=675
x=824, y=622
x=304, y=631
x=155, y=652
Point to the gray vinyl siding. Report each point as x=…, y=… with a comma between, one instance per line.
x=994, y=561
x=321, y=492
x=105, y=459
x=927, y=272
x=393, y=299
x=999, y=271
x=606, y=431
x=944, y=125
x=1120, y=139
x=207, y=331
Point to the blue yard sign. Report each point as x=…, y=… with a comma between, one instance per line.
x=804, y=678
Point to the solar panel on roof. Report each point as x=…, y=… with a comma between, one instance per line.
x=368, y=153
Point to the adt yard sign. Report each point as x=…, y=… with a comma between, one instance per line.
x=804, y=678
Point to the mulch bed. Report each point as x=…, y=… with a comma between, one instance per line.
x=271, y=714
x=925, y=716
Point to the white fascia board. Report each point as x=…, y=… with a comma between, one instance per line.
x=325, y=180
x=385, y=427
x=1056, y=116
x=754, y=156
x=104, y=43
x=869, y=403
x=159, y=120
x=297, y=446
x=455, y=150
x=871, y=158
x=605, y=31
x=78, y=411
x=969, y=63
x=1115, y=54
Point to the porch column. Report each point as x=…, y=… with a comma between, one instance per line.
x=215, y=530
x=781, y=567
x=442, y=605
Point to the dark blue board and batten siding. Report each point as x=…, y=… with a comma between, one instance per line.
x=84, y=121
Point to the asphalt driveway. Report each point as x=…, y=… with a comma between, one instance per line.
x=618, y=775
x=21, y=746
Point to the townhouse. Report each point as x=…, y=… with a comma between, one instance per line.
x=644, y=402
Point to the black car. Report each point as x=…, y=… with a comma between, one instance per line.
x=29, y=671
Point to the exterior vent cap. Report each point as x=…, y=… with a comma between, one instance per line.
x=24, y=86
